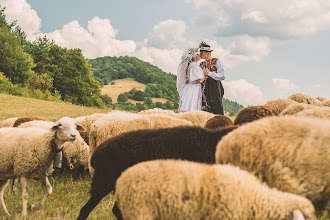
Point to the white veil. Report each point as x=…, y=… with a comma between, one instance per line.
x=181, y=76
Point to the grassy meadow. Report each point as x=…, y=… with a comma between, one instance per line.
x=125, y=85
x=69, y=194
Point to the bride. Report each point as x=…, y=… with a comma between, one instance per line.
x=189, y=78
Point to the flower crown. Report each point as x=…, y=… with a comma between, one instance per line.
x=203, y=44
x=190, y=54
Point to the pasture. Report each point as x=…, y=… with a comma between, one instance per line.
x=69, y=193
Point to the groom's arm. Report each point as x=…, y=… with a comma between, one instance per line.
x=220, y=74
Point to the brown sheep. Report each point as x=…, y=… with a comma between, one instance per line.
x=252, y=113
x=278, y=105
x=218, y=121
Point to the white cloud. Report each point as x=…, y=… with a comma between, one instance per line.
x=284, y=87
x=167, y=34
x=26, y=17
x=281, y=19
x=243, y=92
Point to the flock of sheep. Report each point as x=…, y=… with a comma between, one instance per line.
x=271, y=162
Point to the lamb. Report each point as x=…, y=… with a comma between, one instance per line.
x=174, y=189
x=120, y=152
x=218, y=121
x=323, y=113
x=289, y=153
x=158, y=111
x=278, y=105
x=197, y=118
x=303, y=98
x=22, y=120
x=29, y=153
x=294, y=109
x=252, y=113
x=8, y=122
x=76, y=153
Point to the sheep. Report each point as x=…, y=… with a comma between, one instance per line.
x=174, y=189
x=278, y=105
x=76, y=153
x=158, y=111
x=87, y=122
x=22, y=120
x=303, y=98
x=252, y=113
x=294, y=109
x=8, y=122
x=120, y=152
x=29, y=153
x=323, y=113
x=218, y=121
x=197, y=118
x=320, y=98
x=290, y=153
x=326, y=103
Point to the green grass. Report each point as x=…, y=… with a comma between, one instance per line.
x=68, y=196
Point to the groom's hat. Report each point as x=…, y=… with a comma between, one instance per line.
x=205, y=47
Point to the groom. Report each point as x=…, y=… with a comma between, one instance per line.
x=212, y=89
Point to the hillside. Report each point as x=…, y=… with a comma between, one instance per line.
x=16, y=106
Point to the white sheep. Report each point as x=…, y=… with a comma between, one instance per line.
x=29, y=153
x=8, y=122
x=295, y=108
x=322, y=113
x=76, y=153
x=197, y=118
x=174, y=189
x=290, y=153
x=158, y=111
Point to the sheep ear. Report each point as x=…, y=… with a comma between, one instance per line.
x=54, y=128
x=297, y=215
x=80, y=128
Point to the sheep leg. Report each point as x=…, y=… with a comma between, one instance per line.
x=49, y=190
x=25, y=194
x=90, y=205
x=3, y=185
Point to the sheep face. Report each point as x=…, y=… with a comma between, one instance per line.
x=67, y=129
x=298, y=215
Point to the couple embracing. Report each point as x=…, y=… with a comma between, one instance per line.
x=199, y=81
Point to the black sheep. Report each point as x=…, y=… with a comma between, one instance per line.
x=116, y=154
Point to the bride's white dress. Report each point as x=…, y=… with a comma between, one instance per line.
x=191, y=94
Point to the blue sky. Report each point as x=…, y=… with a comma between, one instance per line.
x=271, y=49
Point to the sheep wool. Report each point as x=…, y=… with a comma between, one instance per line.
x=290, y=153
x=173, y=189
x=87, y=122
x=326, y=103
x=303, y=98
x=278, y=105
x=322, y=113
x=8, y=122
x=22, y=120
x=252, y=113
x=157, y=111
x=218, y=121
x=294, y=109
x=197, y=118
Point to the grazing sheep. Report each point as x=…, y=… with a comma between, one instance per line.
x=322, y=113
x=289, y=153
x=197, y=118
x=294, y=109
x=118, y=153
x=252, y=113
x=87, y=122
x=8, y=122
x=278, y=105
x=76, y=153
x=158, y=111
x=29, y=153
x=218, y=121
x=174, y=189
x=303, y=98
x=22, y=120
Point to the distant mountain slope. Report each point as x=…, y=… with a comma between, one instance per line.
x=159, y=84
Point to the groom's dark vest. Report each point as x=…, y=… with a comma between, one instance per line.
x=213, y=90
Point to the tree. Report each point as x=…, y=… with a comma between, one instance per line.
x=122, y=98
x=168, y=105
x=14, y=62
x=139, y=96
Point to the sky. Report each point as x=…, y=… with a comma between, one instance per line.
x=270, y=49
